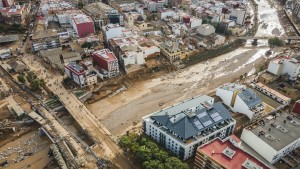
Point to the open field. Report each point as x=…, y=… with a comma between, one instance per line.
x=119, y=112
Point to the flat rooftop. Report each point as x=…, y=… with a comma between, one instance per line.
x=232, y=86
x=281, y=96
x=105, y=54
x=9, y=38
x=45, y=34
x=216, y=151
x=81, y=18
x=283, y=130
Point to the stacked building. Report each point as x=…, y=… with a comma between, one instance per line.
x=181, y=128
x=241, y=100
x=83, y=77
x=14, y=14
x=107, y=63
x=103, y=14
x=284, y=65
x=274, y=137
x=226, y=153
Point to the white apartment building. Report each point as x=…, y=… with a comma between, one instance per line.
x=241, y=100
x=112, y=31
x=181, y=128
x=274, y=136
x=285, y=65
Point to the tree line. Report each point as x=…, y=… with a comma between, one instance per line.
x=146, y=151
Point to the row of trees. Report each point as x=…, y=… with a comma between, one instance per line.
x=149, y=154
x=33, y=80
x=15, y=28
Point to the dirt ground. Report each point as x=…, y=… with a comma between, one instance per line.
x=118, y=113
x=31, y=147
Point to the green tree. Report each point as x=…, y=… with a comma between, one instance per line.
x=80, y=4
x=30, y=76
x=241, y=77
x=143, y=153
x=36, y=84
x=173, y=162
x=228, y=32
x=127, y=141
x=21, y=78
x=153, y=164
x=161, y=155
x=275, y=42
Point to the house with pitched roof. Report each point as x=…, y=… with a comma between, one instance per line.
x=181, y=128
x=241, y=100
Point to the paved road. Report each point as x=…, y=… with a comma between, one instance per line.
x=81, y=114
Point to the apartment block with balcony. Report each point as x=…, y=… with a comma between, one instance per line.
x=181, y=128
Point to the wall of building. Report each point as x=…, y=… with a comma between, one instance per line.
x=91, y=79
x=240, y=15
x=241, y=107
x=275, y=68
x=225, y=95
x=183, y=151
x=291, y=68
x=195, y=22
x=262, y=148
x=85, y=28
x=100, y=61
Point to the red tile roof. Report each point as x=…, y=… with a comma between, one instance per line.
x=240, y=156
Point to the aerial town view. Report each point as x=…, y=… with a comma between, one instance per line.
x=150, y=84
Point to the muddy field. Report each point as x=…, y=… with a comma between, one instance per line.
x=28, y=151
x=120, y=112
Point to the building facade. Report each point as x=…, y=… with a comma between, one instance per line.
x=274, y=136
x=241, y=100
x=79, y=75
x=103, y=14
x=284, y=65
x=83, y=25
x=14, y=14
x=46, y=39
x=107, y=62
x=183, y=127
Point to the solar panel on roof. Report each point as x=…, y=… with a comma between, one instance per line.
x=199, y=127
x=197, y=122
x=218, y=118
x=201, y=115
x=207, y=123
x=214, y=115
